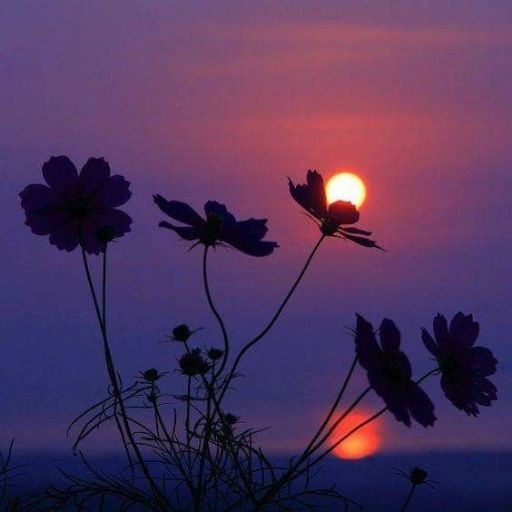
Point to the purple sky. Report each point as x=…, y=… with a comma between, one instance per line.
x=224, y=100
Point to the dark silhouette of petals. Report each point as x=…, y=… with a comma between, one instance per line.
x=429, y=342
x=65, y=236
x=333, y=219
x=343, y=212
x=179, y=211
x=420, y=406
x=389, y=373
x=39, y=198
x=464, y=367
x=220, y=211
x=75, y=208
x=187, y=233
x=484, y=360
x=389, y=336
x=219, y=227
x=61, y=175
x=311, y=196
x=440, y=328
x=93, y=175
x=114, y=192
x=367, y=348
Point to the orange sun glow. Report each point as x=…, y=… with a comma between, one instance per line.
x=346, y=186
x=362, y=443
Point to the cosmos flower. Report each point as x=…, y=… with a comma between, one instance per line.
x=334, y=218
x=464, y=367
x=220, y=227
x=77, y=209
x=193, y=363
x=389, y=373
x=151, y=375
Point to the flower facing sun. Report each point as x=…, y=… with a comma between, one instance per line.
x=346, y=186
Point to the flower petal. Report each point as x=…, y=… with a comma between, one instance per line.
x=367, y=348
x=187, y=233
x=484, y=360
x=440, y=329
x=420, y=405
x=311, y=196
x=365, y=242
x=220, y=210
x=93, y=175
x=39, y=198
x=114, y=191
x=393, y=397
x=61, y=174
x=66, y=236
x=179, y=211
x=389, y=336
x=463, y=330
x=429, y=342
x=118, y=220
x=246, y=237
x=343, y=212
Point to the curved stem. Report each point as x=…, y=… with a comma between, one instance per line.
x=288, y=477
x=331, y=411
x=113, y=378
x=272, y=321
x=311, y=448
x=216, y=314
x=408, y=499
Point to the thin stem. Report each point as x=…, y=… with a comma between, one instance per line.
x=288, y=477
x=113, y=378
x=187, y=417
x=216, y=314
x=408, y=499
x=273, y=320
x=333, y=408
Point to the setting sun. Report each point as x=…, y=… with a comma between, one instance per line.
x=346, y=186
x=362, y=443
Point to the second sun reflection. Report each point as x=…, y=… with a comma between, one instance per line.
x=363, y=443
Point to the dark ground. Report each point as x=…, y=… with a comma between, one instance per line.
x=464, y=482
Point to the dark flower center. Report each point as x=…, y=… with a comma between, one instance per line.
x=79, y=208
x=417, y=476
x=447, y=363
x=214, y=225
x=394, y=370
x=329, y=227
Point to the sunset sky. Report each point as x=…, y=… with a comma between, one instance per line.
x=224, y=101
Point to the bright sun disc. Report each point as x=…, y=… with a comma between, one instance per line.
x=361, y=443
x=346, y=186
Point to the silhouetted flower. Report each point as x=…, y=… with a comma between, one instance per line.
x=389, y=373
x=181, y=333
x=332, y=218
x=464, y=367
x=151, y=375
x=416, y=476
x=105, y=234
x=193, y=363
x=220, y=227
x=77, y=209
x=231, y=419
x=215, y=353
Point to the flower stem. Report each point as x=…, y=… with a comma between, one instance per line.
x=113, y=377
x=216, y=314
x=272, y=321
x=408, y=499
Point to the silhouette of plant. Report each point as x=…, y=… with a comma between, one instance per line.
x=185, y=451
